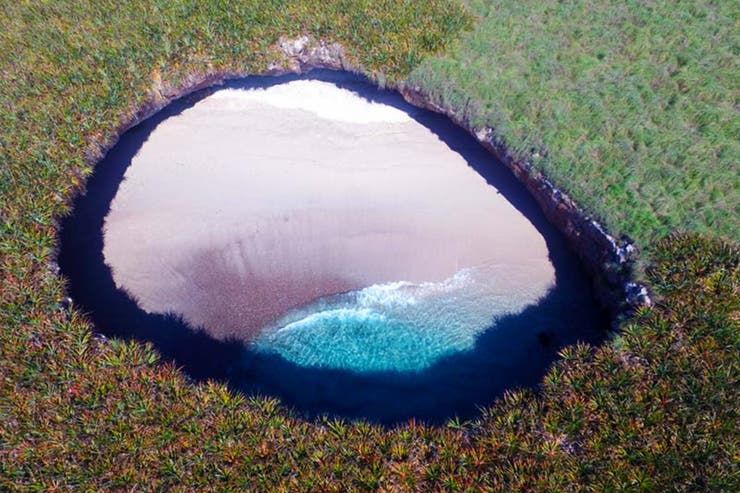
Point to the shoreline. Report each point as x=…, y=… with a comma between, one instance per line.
x=219, y=221
x=517, y=353
x=617, y=289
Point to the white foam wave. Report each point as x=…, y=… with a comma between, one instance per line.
x=404, y=293
x=400, y=325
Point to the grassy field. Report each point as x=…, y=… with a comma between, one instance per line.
x=653, y=410
x=631, y=105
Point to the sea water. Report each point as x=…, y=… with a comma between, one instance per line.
x=401, y=326
x=321, y=241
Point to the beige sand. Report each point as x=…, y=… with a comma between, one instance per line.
x=254, y=202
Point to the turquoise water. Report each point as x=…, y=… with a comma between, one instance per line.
x=402, y=326
x=459, y=344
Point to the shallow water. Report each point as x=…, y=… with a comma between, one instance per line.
x=399, y=326
x=319, y=240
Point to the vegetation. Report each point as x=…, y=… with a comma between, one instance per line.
x=630, y=105
x=655, y=409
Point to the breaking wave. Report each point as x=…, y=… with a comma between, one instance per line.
x=401, y=326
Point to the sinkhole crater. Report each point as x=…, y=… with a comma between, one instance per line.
x=320, y=240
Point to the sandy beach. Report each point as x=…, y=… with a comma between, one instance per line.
x=254, y=202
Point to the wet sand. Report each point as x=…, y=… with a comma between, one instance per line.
x=254, y=202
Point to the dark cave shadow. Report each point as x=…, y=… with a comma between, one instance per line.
x=516, y=353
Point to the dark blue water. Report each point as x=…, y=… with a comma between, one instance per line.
x=391, y=376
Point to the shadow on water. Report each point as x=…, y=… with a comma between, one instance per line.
x=516, y=353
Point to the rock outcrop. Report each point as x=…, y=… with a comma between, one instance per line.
x=609, y=260
x=306, y=53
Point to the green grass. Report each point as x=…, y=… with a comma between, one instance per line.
x=632, y=105
x=653, y=410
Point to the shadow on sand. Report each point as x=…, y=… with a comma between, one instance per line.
x=516, y=352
